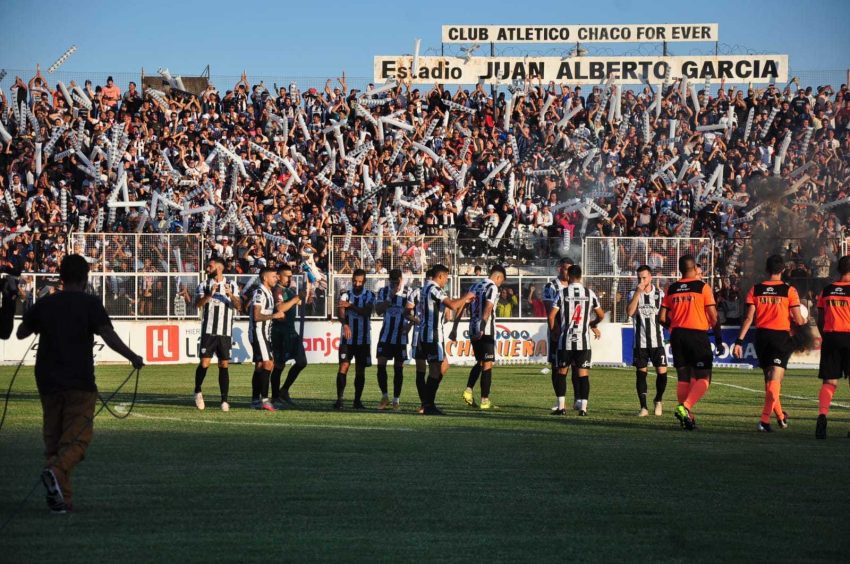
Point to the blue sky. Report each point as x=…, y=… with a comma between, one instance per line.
x=322, y=38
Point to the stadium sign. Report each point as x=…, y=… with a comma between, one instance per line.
x=582, y=70
x=609, y=33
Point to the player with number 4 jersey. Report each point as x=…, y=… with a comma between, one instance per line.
x=574, y=306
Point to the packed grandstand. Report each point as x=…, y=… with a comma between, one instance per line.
x=519, y=175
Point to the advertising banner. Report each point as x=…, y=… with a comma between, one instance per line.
x=724, y=353
x=176, y=342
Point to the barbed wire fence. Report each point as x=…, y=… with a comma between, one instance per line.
x=222, y=82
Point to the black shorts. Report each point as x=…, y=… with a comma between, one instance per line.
x=553, y=351
x=834, y=356
x=773, y=348
x=262, y=348
x=484, y=349
x=361, y=354
x=574, y=359
x=391, y=351
x=215, y=345
x=431, y=352
x=641, y=358
x=691, y=349
x=288, y=348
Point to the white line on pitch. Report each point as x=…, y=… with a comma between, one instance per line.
x=803, y=398
x=341, y=427
x=268, y=424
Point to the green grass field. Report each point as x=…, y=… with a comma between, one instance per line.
x=173, y=484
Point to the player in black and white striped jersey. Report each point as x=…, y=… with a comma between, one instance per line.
x=644, y=308
x=434, y=302
x=574, y=305
x=392, y=303
x=550, y=294
x=414, y=303
x=218, y=299
x=354, y=311
x=261, y=313
x=482, y=333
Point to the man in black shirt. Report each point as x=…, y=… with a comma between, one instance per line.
x=8, y=302
x=64, y=373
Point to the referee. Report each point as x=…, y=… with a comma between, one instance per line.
x=689, y=310
x=834, y=326
x=64, y=373
x=219, y=301
x=772, y=305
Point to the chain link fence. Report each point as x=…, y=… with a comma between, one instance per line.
x=610, y=264
x=151, y=253
x=412, y=253
x=222, y=82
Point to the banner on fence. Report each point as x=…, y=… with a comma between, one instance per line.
x=520, y=341
x=176, y=342
x=723, y=353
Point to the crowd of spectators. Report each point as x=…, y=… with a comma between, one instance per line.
x=428, y=166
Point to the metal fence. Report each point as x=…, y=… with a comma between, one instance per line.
x=222, y=82
x=610, y=265
x=127, y=253
x=125, y=295
x=155, y=276
x=520, y=296
x=412, y=253
x=524, y=249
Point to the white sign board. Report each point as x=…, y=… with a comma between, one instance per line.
x=609, y=33
x=519, y=341
x=582, y=70
x=176, y=342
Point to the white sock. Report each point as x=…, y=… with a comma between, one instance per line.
x=396, y=400
x=561, y=402
x=584, y=405
x=468, y=389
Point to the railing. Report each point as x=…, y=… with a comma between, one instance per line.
x=133, y=252
x=126, y=295
x=610, y=265
x=521, y=296
x=524, y=246
x=152, y=288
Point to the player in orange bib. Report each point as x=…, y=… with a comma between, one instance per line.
x=834, y=325
x=689, y=310
x=772, y=304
